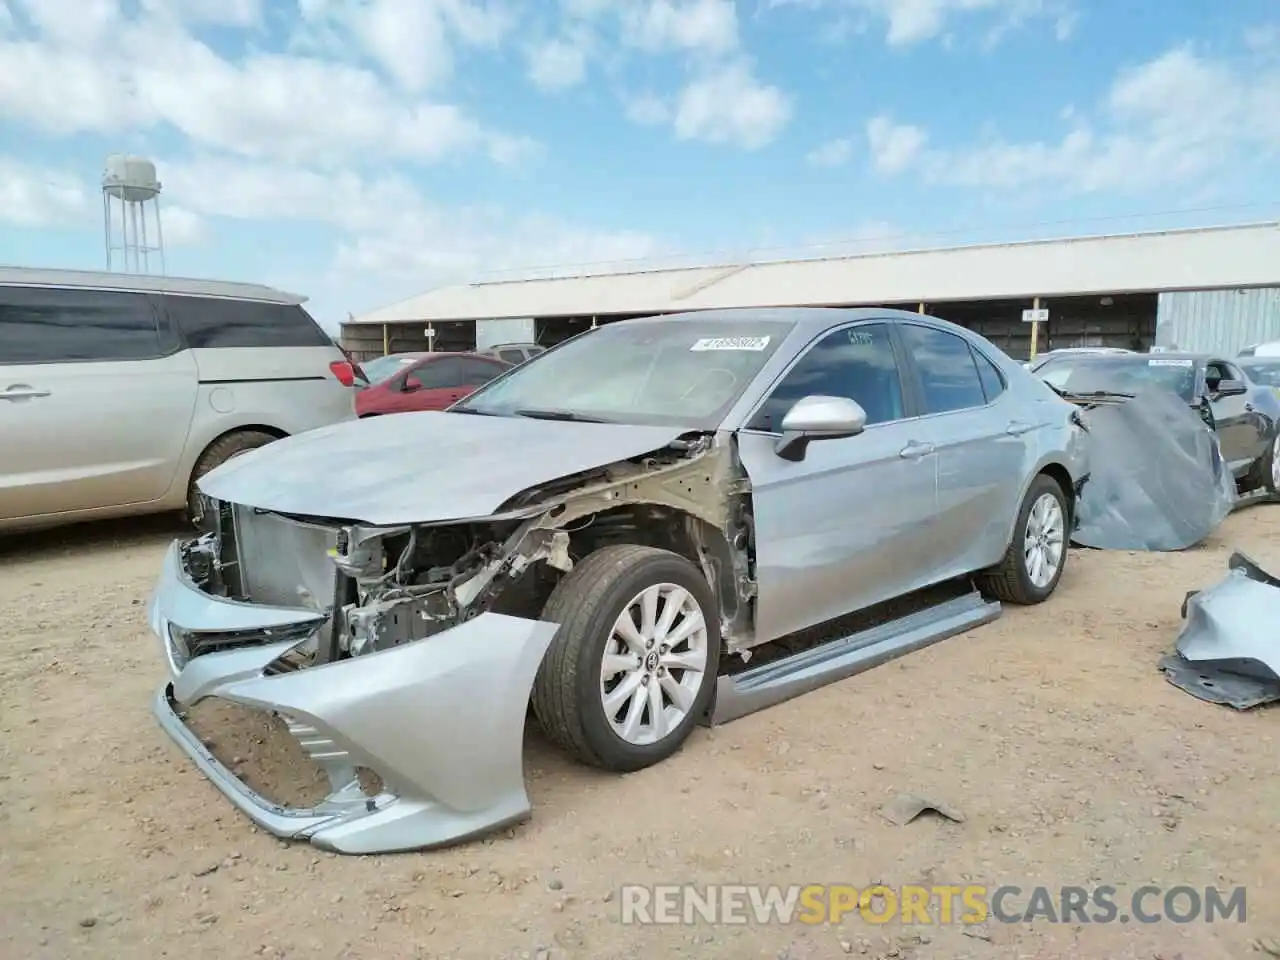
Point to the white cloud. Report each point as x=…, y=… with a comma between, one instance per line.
x=894, y=146
x=182, y=227
x=1178, y=119
x=909, y=22
x=721, y=100
x=150, y=73
x=834, y=153
x=412, y=40
x=223, y=13
x=390, y=228
x=709, y=26
x=35, y=196
x=648, y=110
x=559, y=63
x=730, y=106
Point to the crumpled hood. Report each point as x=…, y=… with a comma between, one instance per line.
x=422, y=467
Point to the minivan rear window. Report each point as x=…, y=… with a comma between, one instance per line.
x=212, y=322
x=64, y=325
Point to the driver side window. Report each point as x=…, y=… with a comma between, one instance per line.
x=855, y=362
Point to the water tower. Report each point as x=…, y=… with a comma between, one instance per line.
x=131, y=197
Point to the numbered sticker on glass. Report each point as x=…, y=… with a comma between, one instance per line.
x=861, y=338
x=731, y=343
x=1170, y=362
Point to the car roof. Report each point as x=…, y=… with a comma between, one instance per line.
x=136, y=283
x=809, y=321
x=1163, y=354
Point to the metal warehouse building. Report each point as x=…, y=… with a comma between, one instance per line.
x=1212, y=289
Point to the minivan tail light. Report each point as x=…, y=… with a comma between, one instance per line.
x=345, y=373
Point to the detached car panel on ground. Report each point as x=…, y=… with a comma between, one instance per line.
x=597, y=533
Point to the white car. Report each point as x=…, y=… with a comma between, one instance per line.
x=117, y=392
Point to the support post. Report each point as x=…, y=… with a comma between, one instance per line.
x=920, y=307
x=1035, y=329
x=386, y=340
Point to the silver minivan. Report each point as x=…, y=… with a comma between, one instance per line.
x=118, y=391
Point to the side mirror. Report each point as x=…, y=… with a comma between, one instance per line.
x=410, y=386
x=1231, y=388
x=818, y=418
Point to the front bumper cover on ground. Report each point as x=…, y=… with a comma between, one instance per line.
x=1228, y=651
x=440, y=721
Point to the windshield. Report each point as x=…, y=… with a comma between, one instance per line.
x=677, y=372
x=1131, y=374
x=1265, y=372
x=384, y=368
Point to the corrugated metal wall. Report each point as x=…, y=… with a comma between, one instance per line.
x=1218, y=321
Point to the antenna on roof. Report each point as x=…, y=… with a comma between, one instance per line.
x=131, y=182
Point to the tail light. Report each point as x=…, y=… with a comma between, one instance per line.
x=344, y=372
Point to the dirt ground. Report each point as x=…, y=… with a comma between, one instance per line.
x=1074, y=762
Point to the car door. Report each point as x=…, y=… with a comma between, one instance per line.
x=95, y=401
x=1238, y=432
x=847, y=526
x=980, y=436
x=430, y=385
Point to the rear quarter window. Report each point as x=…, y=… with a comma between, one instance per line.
x=213, y=322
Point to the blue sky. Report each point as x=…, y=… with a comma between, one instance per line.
x=361, y=151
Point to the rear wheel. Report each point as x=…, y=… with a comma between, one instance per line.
x=1037, y=554
x=1265, y=474
x=633, y=665
x=217, y=453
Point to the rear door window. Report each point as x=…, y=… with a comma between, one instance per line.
x=949, y=377
x=48, y=325
x=511, y=356
x=215, y=322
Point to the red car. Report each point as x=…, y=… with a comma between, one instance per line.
x=405, y=382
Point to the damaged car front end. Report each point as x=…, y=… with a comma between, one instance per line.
x=283, y=613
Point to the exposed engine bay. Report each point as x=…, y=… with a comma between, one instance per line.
x=394, y=585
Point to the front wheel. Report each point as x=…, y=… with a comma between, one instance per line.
x=634, y=663
x=1037, y=554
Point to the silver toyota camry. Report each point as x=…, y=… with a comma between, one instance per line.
x=604, y=534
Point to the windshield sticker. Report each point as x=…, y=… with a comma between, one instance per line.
x=1169, y=362
x=731, y=343
x=861, y=338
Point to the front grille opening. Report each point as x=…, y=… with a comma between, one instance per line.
x=258, y=748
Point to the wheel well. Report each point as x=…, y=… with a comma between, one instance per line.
x=244, y=428
x=668, y=529
x=1058, y=473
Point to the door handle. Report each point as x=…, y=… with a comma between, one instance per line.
x=1017, y=428
x=23, y=391
x=915, y=450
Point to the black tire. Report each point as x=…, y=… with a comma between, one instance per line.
x=586, y=603
x=1010, y=581
x=216, y=454
x=1262, y=476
